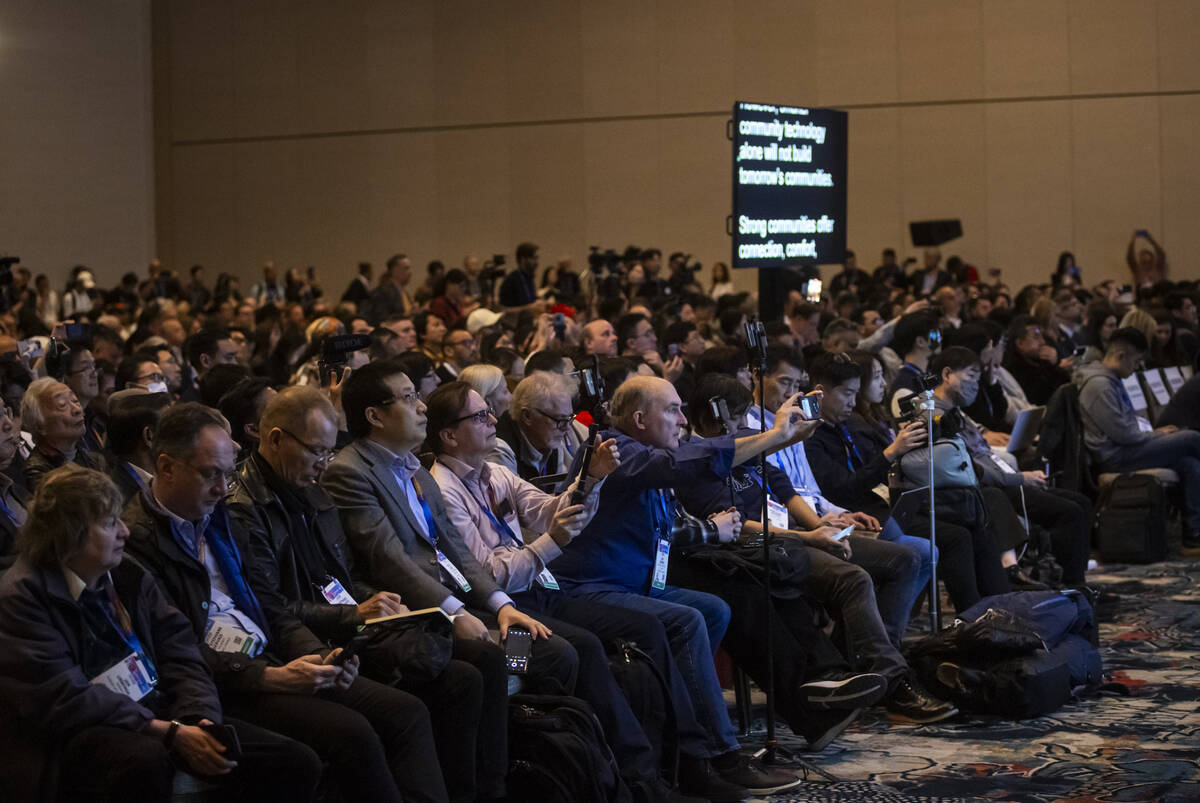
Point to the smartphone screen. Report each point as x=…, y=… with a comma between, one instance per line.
x=811, y=408
x=843, y=533
x=517, y=647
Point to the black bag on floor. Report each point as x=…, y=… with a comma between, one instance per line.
x=649, y=696
x=1016, y=655
x=1131, y=520
x=557, y=753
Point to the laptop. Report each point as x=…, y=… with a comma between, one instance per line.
x=1025, y=429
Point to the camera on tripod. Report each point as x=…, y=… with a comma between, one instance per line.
x=336, y=353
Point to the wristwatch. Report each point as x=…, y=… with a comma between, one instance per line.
x=169, y=737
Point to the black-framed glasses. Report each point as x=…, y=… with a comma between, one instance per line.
x=560, y=422
x=152, y=378
x=319, y=454
x=479, y=416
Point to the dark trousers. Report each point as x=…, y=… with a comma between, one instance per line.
x=115, y=764
x=969, y=558
x=801, y=650
x=491, y=737
x=586, y=624
x=1067, y=516
x=455, y=702
x=378, y=739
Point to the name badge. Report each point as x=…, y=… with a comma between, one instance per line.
x=1003, y=466
x=222, y=638
x=547, y=580
x=453, y=571
x=1143, y=424
x=129, y=676
x=336, y=594
x=660, y=564
x=777, y=514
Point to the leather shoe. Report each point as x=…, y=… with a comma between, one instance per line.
x=910, y=702
x=736, y=768
x=698, y=778
x=1020, y=581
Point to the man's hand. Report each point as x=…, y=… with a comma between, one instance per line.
x=863, y=521
x=654, y=360
x=1167, y=429
x=729, y=524
x=911, y=436
x=307, y=674
x=605, y=459
x=509, y=616
x=349, y=670
x=1066, y=363
x=822, y=538
x=334, y=391
x=996, y=438
x=202, y=752
x=673, y=369
x=790, y=422
x=384, y=603
x=1035, y=478
x=916, y=306
x=567, y=524
x=467, y=627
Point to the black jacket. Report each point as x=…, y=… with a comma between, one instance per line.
x=506, y=430
x=289, y=597
x=41, y=462
x=186, y=583
x=44, y=695
x=846, y=478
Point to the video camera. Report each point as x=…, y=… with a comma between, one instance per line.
x=493, y=269
x=601, y=262
x=336, y=353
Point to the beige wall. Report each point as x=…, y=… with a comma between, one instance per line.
x=326, y=133
x=76, y=164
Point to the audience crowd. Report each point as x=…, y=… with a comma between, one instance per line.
x=211, y=494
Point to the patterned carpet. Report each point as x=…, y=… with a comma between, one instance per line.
x=1145, y=747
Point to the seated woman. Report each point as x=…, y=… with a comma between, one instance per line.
x=102, y=686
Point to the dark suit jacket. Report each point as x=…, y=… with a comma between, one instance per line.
x=388, y=547
x=506, y=430
x=285, y=590
x=44, y=695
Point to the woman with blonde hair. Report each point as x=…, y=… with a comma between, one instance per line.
x=489, y=382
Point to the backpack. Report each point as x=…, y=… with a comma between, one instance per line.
x=557, y=753
x=1016, y=655
x=649, y=696
x=1131, y=520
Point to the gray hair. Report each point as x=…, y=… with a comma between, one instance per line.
x=32, y=416
x=537, y=389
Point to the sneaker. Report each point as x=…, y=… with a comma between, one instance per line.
x=852, y=691
x=910, y=702
x=698, y=778
x=738, y=769
x=1020, y=581
x=824, y=732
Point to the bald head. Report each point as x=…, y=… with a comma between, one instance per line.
x=648, y=409
x=599, y=337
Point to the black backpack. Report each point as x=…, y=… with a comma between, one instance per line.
x=557, y=753
x=1131, y=520
x=649, y=696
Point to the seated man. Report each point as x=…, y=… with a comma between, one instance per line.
x=1065, y=514
x=376, y=738
x=917, y=338
x=132, y=418
x=536, y=427
x=1112, y=433
x=14, y=500
x=845, y=589
x=402, y=540
x=103, y=685
x=621, y=558
x=51, y=412
x=851, y=459
x=491, y=507
x=304, y=575
x=1033, y=363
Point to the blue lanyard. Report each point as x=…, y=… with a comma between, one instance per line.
x=7, y=510
x=431, y=536
x=850, y=448
x=664, y=526
x=499, y=524
x=124, y=627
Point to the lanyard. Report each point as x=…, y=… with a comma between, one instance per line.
x=431, y=536
x=124, y=627
x=664, y=526
x=7, y=510
x=850, y=448
x=500, y=525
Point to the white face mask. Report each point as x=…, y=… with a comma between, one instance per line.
x=156, y=387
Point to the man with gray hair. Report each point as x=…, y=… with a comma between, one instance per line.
x=51, y=412
x=536, y=427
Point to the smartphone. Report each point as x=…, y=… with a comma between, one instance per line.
x=348, y=651
x=813, y=291
x=845, y=531
x=1077, y=353
x=673, y=350
x=227, y=736
x=517, y=647
x=811, y=407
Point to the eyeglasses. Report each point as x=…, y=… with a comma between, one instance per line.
x=469, y=343
x=90, y=366
x=151, y=378
x=560, y=423
x=212, y=474
x=479, y=416
x=409, y=398
x=319, y=454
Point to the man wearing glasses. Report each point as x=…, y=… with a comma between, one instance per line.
x=459, y=349
x=377, y=739
x=535, y=427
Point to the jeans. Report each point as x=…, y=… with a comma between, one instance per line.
x=1178, y=451
x=694, y=623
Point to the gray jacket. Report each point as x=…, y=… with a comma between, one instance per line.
x=389, y=549
x=1109, y=423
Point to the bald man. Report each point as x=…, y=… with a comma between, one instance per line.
x=599, y=337
x=621, y=558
